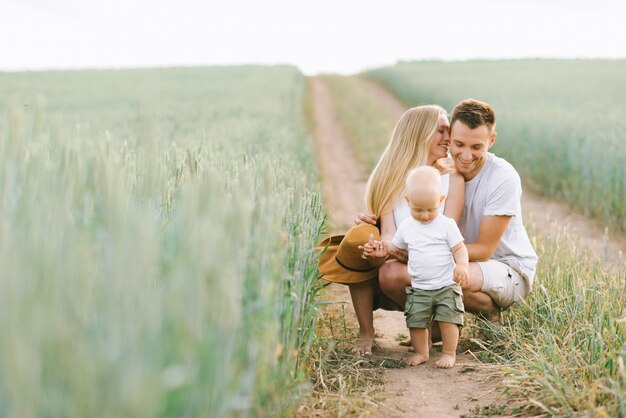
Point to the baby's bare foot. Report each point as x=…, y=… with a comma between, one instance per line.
x=363, y=346
x=417, y=359
x=446, y=361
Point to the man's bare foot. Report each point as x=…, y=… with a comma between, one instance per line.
x=405, y=343
x=493, y=316
x=430, y=346
x=417, y=359
x=363, y=346
x=446, y=361
x=431, y=342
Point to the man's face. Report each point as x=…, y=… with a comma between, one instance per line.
x=469, y=147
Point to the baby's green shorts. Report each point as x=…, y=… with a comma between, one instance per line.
x=424, y=306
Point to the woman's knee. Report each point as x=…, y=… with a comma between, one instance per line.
x=393, y=275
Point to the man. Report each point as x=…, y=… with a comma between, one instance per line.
x=502, y=259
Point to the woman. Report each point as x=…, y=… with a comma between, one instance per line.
x=420, y=137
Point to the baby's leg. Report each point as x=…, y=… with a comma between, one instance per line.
x=450, y=338
x=419, y=341
x=408, y=343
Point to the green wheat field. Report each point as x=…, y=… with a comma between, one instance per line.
x=158, y=232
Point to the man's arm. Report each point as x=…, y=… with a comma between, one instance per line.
x=456, y=197
x=491, y=230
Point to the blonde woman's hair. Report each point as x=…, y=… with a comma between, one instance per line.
x=408, y=147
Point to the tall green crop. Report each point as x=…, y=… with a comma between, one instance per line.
x=156, y=229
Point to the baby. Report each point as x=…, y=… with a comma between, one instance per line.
x=434, y=244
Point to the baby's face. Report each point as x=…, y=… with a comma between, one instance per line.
x=424, y=206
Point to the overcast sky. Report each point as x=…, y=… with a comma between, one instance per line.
x=316, y=36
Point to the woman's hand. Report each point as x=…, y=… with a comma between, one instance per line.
x=374, y=251
x=374, y=248
x=367, y=218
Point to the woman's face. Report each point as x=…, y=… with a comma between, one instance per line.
x=441, y=141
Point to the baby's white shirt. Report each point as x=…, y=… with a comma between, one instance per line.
x=431, y=265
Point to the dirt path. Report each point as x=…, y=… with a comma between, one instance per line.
x=411, y=391
x=343, y=176
x=544, y=213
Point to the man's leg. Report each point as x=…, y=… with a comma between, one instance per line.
x=362, y=295
x=475, y=300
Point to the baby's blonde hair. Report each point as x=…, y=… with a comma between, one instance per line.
x=423, y=178
x=408, y=147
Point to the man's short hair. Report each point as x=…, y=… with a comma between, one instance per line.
x=474, y=113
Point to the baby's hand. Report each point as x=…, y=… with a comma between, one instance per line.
x=373, y=248
x=461, y=275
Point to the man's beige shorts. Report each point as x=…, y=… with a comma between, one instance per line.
x=504, y=284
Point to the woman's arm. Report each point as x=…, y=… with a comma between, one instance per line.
x=387, y=226
x=456, y=196
x=387, y=231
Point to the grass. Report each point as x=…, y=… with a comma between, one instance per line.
x=156, y=243
x=563, y=349
x=567, y=342
x=343, y=385
x=560, y=122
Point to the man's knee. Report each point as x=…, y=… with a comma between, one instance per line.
x=475, y=282
x=504, y=284
x=478, y=302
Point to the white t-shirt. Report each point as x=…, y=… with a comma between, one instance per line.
x=402, y=211
x=431, y=265
x=497, y=190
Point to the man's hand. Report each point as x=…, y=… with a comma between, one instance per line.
x=367, y=218
x=461, y=275
x=400, y=255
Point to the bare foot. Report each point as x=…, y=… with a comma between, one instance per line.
x=446, y=361
x=494, y=316
x=405, y=343
x=416, y=359
x=363, y=346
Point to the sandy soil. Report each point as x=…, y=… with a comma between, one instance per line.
x=412, y=391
